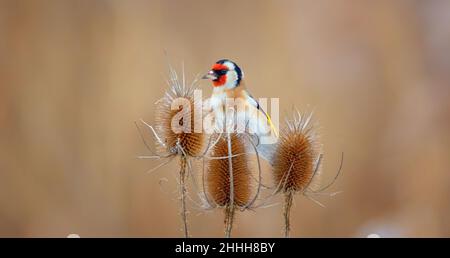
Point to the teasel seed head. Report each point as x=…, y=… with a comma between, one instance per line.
x=218, y=172
x=177, y=116
x=176, y=132
x=296, y=155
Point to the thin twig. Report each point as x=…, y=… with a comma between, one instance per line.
x=230, y=207
x=289, y=195
x=210, y=204
x=334, y=179
x=258, y=189
x=183, y=194
x=229, y=218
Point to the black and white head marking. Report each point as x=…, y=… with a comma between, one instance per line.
x=234, y=74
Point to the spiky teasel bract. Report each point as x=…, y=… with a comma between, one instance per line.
x=295, y=160
x=296, y=152
x=175, y=133
x=177, y=105
x=218, y=177
x=229, y=176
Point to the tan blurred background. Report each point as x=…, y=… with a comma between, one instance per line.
x=75, y=75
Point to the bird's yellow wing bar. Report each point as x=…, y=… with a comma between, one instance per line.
x=271, y=124
x=269, y=120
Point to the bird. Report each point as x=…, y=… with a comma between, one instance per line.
x=228, y=83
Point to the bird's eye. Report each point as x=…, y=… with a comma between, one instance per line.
x=220, y=72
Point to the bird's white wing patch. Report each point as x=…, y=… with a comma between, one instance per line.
x=265, y=119
x=251, y=100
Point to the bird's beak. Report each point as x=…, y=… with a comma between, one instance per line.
x=210, y=75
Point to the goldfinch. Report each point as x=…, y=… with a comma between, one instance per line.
x=228, y=84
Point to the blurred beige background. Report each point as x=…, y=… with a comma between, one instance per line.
x=75, y=75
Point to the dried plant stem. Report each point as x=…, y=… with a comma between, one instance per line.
x=229, y=217
x=229, y=211
x=183, y=163
x=289, y=196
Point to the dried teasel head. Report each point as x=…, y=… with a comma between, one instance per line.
x=178, y=119
x=178, y=131
x=218, y=172
x=229, y=177
x=295, y=161
x=296, y=155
